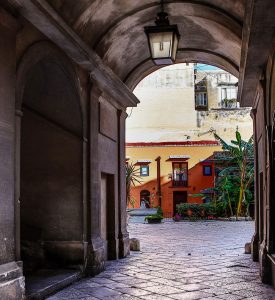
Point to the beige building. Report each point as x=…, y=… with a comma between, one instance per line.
x=187, y=102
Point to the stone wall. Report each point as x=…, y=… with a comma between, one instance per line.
x=59, y=135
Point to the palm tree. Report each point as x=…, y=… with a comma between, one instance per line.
x=132, y=178
x=241, y=159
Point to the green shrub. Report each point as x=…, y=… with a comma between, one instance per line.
x=203, y=210
x=157, y=216
x=159, y=211
x=209, y=208
x=183, y=208
x=154, y=216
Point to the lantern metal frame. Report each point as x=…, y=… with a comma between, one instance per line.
x=163, y=26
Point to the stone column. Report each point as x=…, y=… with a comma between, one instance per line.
x=95, y=259
x=123, y=235
x=11, y=278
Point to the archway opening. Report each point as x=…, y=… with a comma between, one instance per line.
x=51, y=169
x=183, y=107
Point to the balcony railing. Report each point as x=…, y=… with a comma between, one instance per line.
x=179, y=182
x=229, y=103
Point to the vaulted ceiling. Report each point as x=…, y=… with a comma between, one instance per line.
x=211, y=31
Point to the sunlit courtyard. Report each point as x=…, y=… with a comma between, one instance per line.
x=180, y=260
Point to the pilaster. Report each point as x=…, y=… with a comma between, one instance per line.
x=123, y=235
x=255, y=238
x=95, y=257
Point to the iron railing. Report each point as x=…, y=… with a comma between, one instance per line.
x=179, y=182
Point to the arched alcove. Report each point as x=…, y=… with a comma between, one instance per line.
x=50, y=170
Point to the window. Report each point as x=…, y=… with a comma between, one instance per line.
x=228, y=97
x=180, y=174
x=229, y=93
x=207, y=170
x=144, y=170
x=201, y=99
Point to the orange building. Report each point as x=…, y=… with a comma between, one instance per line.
x=171, y=172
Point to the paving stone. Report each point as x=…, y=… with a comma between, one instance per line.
x=217, y=291
x=191, y=296
x=122, y=297
x=116, y=285
x=70, y=293
x=146, y=284
x=212, y=298
x=134, y=291
x=216, y=269
x=165, y=281
x=155, y=297
x=163, y=289
x=102, y=292
x=194, y=287
x=231, y=297
x=261, y=298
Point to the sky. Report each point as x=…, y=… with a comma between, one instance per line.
x=204, y=67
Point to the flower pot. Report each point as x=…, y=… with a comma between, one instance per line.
x=202, y=213
x=189, y=212
x=154, y=221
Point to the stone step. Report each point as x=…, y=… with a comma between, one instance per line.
x=48, y=281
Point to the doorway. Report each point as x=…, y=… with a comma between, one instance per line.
x=178, y=198
x=144, y=199
x=108, y=216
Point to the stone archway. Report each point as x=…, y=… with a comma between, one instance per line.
x=106, y=38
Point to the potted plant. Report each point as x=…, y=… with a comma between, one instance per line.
x=177, y=217
x=189, y=212
x=155, y=218
x=202, y=211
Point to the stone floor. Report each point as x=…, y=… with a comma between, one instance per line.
x=196, y=260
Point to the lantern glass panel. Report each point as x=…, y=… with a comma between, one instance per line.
x=161, y=44
x=175, y=47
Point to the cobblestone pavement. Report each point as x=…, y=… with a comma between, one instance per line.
x=196, y=260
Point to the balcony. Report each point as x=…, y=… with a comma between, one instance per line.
x=177, y=183
x=229, y=103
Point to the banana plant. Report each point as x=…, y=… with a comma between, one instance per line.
x=241, y=164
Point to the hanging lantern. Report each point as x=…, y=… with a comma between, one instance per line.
x=163, y=39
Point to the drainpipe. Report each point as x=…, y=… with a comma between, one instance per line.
x=158, y=179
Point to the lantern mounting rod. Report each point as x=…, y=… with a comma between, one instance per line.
x=162, y=16
x=162, y=5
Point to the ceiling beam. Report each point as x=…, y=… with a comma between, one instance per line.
x=47, y=20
